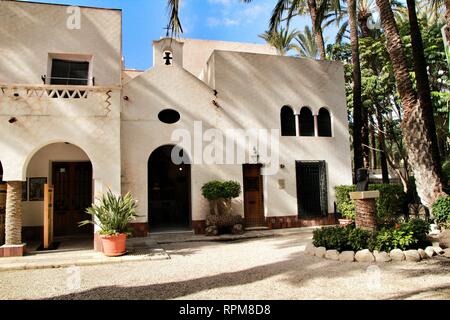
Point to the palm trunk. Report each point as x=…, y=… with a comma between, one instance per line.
x=362, y=20
x=423, y=84
x=317, y=28
x=13, y=223
x=415, y=132
x=357, y=103
x=447, y=16
x=365, y=138
x=382, y=145
x=373, y=150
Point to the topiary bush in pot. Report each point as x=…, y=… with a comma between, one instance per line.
x=220, y=218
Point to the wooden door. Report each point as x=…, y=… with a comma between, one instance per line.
x=253, y=196
x=312, y=188
x=72, y=195
x=48, y=216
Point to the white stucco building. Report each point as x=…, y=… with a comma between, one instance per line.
x=73, y=117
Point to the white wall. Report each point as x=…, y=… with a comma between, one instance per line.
x=41, y=166
x=31, y=31
x=251, y=91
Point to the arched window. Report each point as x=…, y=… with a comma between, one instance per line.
x=287, y=122
x=306, y=123
x=324, y=123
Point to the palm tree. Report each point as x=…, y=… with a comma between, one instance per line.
x=298, y=7
x=437, y=8
x=174, y=27
x=422, y=82
x=280, y=40
x=415, y=132
x=307, y=47
x=357, y=92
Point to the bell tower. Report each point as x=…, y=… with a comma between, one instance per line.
x=168, y=52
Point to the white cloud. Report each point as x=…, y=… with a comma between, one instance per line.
x=213, y=22
x=222, y=2
x=234, y=13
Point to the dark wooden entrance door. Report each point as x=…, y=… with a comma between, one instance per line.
x=312, y=188
x=169, y=187
x=253, y=196
x=72, y=195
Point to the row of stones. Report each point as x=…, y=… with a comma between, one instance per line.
x=375, y=256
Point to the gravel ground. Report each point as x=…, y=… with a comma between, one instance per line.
x=271, y=268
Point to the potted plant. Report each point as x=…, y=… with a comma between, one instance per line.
x=113, y=215
x=220, y=195
x=348, y=213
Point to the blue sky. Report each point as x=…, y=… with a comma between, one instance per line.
x=229, y=20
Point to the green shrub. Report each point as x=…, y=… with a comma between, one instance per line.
x=348, y=209
x=388, y=239
x=419, y=228
x=332, y=238
x=404, y=236
x=358, y=239
x=230, y=189
x=214, y=190
x=343, y=202
x=446, y=170
x=390, y=204
x=441, y=210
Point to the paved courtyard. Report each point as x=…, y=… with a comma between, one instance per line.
x=264, y=268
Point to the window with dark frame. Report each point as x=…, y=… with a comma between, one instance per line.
x=306, y=120
x=324, y=123
x=66, y=72
x=287, y=122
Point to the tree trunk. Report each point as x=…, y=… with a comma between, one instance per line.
x=357, y=103
x=415, y=132
x=382, y=144
x=365, y=137
x=373, y=150
x=317, y=28
x=447, y=16
x=423, y=84
x=362, y=20
x=13, y=223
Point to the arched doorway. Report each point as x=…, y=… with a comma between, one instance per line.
x=169, y=191
x=69, y=169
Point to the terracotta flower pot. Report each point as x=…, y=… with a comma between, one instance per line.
x=114, y=245
x=345, y=222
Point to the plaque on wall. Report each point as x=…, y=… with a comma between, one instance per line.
x=36, y=186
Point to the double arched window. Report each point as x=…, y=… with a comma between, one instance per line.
x=308, y=125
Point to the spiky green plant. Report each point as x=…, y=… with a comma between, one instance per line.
x=112, y=214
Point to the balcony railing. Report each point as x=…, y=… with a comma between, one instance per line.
x=68, y=81
x=54, y=91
